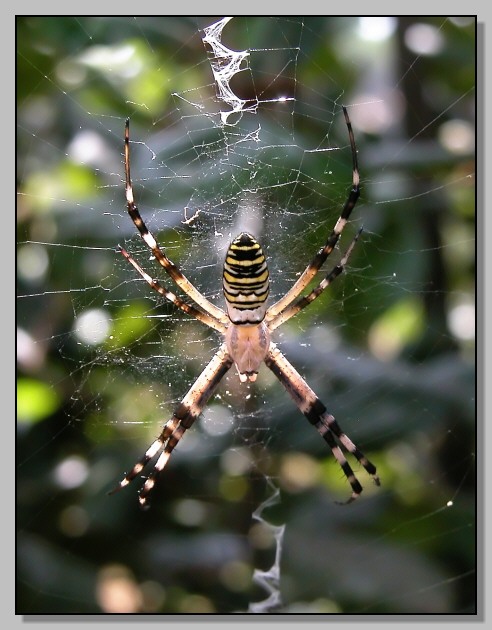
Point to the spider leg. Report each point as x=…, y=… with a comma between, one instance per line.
x=169, y=295
x=315, y=411
x=316, y=263
x=173, y=271
x=182, y=419
x=305, y=300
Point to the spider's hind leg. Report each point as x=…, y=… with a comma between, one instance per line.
x=334, y=427
x=182, y=419
x=315, y=411
x=355, y=484
x=150, y=453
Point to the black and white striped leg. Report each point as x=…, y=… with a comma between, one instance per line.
x=332, y=240
x=183, y=418
x=305, y=300
x=172, y=297
x=173, y=271
x=315, y=411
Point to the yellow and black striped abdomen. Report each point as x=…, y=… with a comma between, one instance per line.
x=245, y=280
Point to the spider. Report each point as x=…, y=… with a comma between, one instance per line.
x=246, y=328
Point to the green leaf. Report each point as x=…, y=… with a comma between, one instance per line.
x=35, y=400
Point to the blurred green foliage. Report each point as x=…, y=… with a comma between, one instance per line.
x=388, y=348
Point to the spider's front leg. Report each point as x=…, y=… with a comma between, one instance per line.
x=317, y=262
x=317, y=414
x=182, y=419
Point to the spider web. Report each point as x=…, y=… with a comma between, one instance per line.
x=236, y=125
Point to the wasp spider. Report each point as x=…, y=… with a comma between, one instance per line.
x=246, y=327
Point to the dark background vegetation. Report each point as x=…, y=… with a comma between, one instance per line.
x=408, y=547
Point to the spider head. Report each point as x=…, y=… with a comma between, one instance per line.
x=247, y=345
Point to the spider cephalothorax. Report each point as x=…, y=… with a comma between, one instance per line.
x=246, y=328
